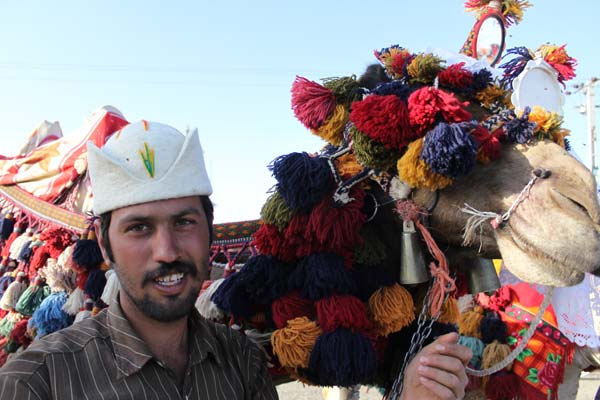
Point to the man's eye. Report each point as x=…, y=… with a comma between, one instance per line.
x=184, y=222
x=138, y=228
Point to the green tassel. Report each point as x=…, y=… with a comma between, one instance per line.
x=345, y=89
x=276, y=212
x=424, y=68
x=370, y=153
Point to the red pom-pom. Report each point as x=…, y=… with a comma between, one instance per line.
x=18, y=334
x=383, y=119
x=312, y=103
x=502, y=386
x=427, y=104
x=489, y=145
x=291, y=306
x=343, y=311
x=456, y=76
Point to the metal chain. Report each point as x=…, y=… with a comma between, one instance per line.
x=424, y=328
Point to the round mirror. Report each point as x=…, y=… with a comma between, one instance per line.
x=489, y=39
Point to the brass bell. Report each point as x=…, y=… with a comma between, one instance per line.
x=481, y=276
x=412, y=264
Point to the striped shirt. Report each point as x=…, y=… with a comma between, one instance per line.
x=104, y=358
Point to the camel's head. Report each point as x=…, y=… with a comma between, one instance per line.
x=552, y=236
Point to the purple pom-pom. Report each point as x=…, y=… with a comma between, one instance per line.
x=449, y=149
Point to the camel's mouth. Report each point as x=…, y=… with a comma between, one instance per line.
x=552, y=239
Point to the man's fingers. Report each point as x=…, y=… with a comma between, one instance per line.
x=441, y=391
x=446, y=345
x=444, y=370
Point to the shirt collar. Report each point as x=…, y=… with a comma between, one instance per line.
x=132, y=353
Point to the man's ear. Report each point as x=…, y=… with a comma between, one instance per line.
x=101, y=243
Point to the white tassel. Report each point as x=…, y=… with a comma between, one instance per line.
x=12, y=294
x=111, y=290
x=475, y=223
x=466, y=303
x=206, y=307
x=74, y=302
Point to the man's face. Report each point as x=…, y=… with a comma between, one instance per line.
x=160, y=252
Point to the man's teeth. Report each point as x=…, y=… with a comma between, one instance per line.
x=169, y=280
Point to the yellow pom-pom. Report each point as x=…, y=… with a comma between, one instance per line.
x=469, y=322
x=391, y=308
x=332, y=130
x=450, y=312
x=493, y=94
x=347, y=165
x=424, y=68
x=494, y=353
x=416, y=173
x=292, y=345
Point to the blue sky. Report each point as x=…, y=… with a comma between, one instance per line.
x=227, y=67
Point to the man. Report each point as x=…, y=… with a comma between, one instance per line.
x=151, y=192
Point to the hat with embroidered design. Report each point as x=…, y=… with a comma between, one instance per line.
x=144, y=162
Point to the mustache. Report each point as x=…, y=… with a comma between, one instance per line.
x=168, y=269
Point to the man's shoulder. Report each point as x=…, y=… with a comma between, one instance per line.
x=72, y=339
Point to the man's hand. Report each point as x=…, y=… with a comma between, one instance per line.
x=438, y=371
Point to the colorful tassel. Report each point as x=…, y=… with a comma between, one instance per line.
x=514, y=67
x=332, y=131
x=276, y=212
x=87, y=253
x=427, y=105
x=370, y=153
x=416, y=173
x=494, y=353
x=493, y=96
x=111, y=288
x=493, y=328
x=383, y=119
x=395, y=59
x=347, y=166
x=206, y=307
x=503, y=386
x=230, y=297
x=291, y=306
x=450, y=312
x=270, y=241
x=476, y=346
x=518, y=128
x=391, y=308
x=50, y=317
x=469, y=323
x=341, y=358
x=264, y=278
x=302, y=180
x=558, y=58
x=342, y=311
x=74, y=302
x=456, y=77
x=489, y=144
x=293, y=344
x=424, y=68
x=312, y=103
x=94, y=286
x=449, y=149
x=345, y=89
x=320, y=275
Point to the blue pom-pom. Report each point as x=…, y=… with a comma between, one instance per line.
x=493, y=328
x=94, y=285
x=396, y=88
x=481, y=80
x=265, y=278
x=231, y=297
x=7, y=226
x=449, y=149
x=368, y=279
x=519, y=129
x=302, y=180
x=476, y=347
x=341, y=358
x=320, y=275
x=87, y=253
x=50, y=317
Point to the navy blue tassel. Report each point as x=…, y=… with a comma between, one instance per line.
x=87, y=253
x=302, y=180
x=493, y=328
x=265, y=278
x=519, y=129
x=94, y=285
x=230, y=297
x=7, y=226
x=5, y=281
x=50, y=317
x=481, y=80
x=341, y=358
x=397, y=88
x=449, y=149
x=320, y=275
x=514, y=67
x=369, y=279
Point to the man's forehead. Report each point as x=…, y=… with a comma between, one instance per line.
x=160, y=209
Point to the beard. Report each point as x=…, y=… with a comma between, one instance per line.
x=169, y=308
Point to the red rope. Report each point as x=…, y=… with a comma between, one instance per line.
x=443, y=282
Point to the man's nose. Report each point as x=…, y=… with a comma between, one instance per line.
x=164, y=246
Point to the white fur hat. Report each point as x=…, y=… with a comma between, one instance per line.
x=143, y=162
